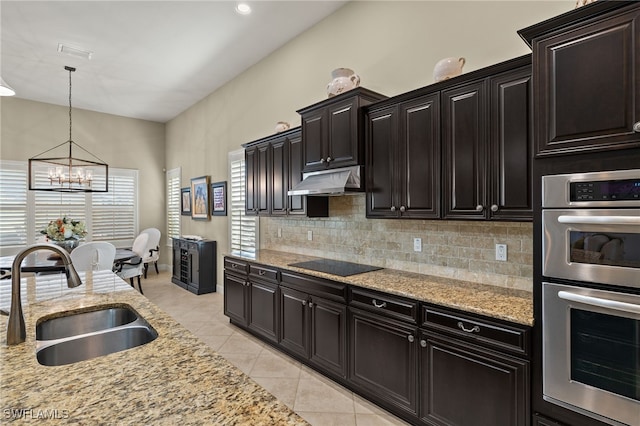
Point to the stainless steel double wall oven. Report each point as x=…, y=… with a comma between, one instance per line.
x=591, y=294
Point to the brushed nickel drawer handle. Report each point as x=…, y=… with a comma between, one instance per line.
x=410, y=338
x=379, y=305
x=474, y=329
x=262, y=272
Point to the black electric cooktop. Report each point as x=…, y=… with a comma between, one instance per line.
x=335, y=267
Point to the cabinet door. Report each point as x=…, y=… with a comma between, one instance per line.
x=297, y=202
x=263, y=200
x=382, y=141
x=463, y=384
x=251, y=177
x=464, y=145
x=343, y=147
x=511, y=145
x=263, y=312
x=314, y=134
x=279, y=177
x=176, y=260
x=419, y=158
x=328, y=346
x=235, y=297
x=586, y=87
x=194, y=266
x=294, y=321
x=383, y=359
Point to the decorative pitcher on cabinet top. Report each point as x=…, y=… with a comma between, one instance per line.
x=343, y=79
x=447, y=68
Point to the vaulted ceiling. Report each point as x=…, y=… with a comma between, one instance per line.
x=151, y=59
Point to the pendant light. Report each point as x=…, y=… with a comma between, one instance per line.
x=57, y=172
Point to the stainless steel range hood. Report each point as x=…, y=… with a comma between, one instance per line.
x=329, y=182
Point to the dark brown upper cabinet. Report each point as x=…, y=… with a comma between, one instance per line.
x=332, y=130
x=273, y=166
x=403, y=159
x=487, y=146
x=586, y=73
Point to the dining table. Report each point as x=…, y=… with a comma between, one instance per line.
x=45, y=261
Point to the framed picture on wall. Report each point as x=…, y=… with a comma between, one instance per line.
x=219, y=199
x=200, y=198
x=185, y=201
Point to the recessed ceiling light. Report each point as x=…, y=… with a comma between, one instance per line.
x=243, y=9
x=74, y=51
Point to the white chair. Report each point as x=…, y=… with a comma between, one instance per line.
x=134, y=267
x=153, y=249
x=93, y=256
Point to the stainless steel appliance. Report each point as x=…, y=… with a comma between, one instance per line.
x=591, y=294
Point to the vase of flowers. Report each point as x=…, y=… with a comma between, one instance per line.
x=65, y=232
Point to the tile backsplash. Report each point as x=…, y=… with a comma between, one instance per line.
x=462, y=250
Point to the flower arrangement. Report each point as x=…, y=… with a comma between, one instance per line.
x=65, y=229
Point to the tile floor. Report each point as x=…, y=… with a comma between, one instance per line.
x=315, y=398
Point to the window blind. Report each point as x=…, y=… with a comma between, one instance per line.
x=110, y=216
x=173, y=204
x=13, y=200
x=243, y=229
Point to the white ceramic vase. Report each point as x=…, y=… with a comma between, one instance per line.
x=447, y=68
x=343, y=79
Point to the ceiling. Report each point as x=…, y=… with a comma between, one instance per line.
x=151, y=59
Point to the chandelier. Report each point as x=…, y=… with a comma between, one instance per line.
x=56, y=169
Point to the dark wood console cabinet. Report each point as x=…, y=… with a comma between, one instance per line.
x=194, y=265
x=412, y=358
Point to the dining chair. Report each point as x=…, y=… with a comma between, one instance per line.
x=152, y=254
x=93, y=256
x=133, y=268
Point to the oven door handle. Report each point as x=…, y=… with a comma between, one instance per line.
x=599, y=302
x=606, y=220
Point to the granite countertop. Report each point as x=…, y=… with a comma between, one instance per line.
x=492, y=301
x=175, y=379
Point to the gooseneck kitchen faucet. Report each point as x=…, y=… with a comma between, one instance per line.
x=15, y=327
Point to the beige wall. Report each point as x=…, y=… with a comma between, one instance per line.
x=393, y=46
x=29, y=128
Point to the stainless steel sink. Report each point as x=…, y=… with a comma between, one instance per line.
x=84, y=322
x=89, y=334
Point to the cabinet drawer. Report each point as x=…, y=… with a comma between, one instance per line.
x=315, y=286
x=235, y=265
x=501, y=336
x=385, y=304
x=263, y=272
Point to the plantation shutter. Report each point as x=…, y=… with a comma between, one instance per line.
x=114, y=215
x=243, y=229
x=173, y=204
x=13, y=203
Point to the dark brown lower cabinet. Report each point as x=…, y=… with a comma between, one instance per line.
x=465, y=384
x=427, y=364
x=383, y=360
x=263, y=308
x=315, y=329
x=539, y=420
x=235, y=298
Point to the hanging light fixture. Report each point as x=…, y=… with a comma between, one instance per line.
x=57, y=172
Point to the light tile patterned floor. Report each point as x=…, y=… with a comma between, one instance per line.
x=317, y=399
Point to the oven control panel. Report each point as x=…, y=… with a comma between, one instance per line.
x=609, y=190
x=615, y=188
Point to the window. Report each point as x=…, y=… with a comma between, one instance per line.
x=173, y=204
x=111, y=216
x=244, y=229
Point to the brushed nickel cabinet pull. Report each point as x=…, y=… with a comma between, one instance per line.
x=474, y=329
x=379, y=305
